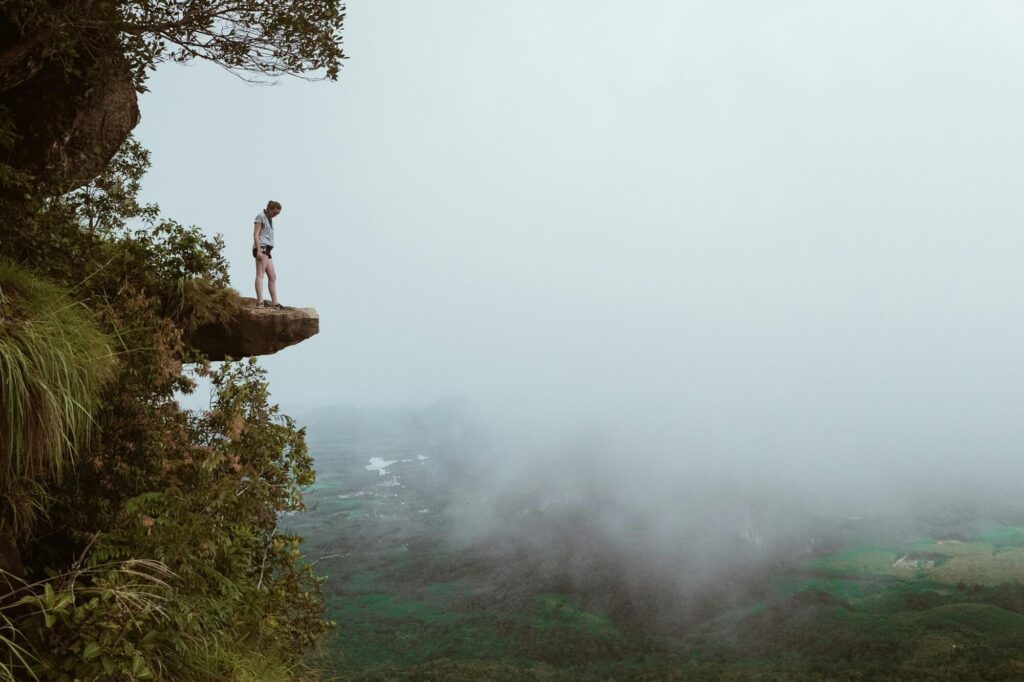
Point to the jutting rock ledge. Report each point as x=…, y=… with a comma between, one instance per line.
x=254, y=331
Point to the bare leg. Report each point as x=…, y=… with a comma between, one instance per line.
x=261, y=268
x=272, y=281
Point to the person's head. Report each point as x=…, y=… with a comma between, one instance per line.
x=273, y=208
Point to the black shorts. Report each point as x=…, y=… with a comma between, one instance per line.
x=264, y=249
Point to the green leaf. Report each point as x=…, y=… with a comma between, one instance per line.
x=140, y=670
x=63, y=601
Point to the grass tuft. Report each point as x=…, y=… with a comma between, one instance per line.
x=53, y=362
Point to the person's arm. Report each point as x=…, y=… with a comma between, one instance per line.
x=256, y=227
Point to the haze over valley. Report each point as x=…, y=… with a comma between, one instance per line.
x=677, y=339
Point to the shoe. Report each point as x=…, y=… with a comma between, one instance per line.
x=279, y=306
x=262, y=304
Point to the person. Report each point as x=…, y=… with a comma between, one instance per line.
x=262, y=246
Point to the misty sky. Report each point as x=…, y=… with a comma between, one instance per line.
x=786, y=228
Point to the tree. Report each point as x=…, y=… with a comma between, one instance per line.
x=257, y=39
x=107, y=204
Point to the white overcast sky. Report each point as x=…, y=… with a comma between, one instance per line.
x=777, y=226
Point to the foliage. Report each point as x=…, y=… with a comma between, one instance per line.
x=255, y=36
x=197, y=494
x=239, y=591
x=112, y=248
x=107, y=602
x=160, y=556
x=107, y=204
x=12, y=181
x=53, y=360
x=261, y=38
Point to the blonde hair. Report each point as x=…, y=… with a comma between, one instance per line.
x=273, y=204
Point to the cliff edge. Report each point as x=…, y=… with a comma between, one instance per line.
x=254, y=331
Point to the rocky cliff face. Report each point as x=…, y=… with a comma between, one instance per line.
x=70, y=113
x=107, y=114
x=254, y=331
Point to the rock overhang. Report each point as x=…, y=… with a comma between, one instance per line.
x=252, y=331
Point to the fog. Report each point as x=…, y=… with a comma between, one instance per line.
x=772, y=242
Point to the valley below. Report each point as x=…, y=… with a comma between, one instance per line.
x=432, y=576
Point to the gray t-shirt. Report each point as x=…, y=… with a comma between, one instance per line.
x=266, y=229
